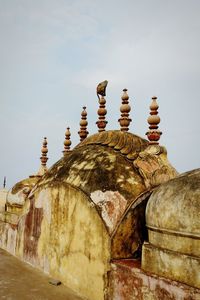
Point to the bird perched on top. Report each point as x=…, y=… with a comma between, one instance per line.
x=101, y=88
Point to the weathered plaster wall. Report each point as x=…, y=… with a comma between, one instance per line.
x=3, y=195
x=88, y=199
x=130, y=233
x=173, y=223
x=18, y=193
x=114, y=169
x=129, y=282
x=176, y=266
x=62, y=233
x=77, y=250
x=8, y=235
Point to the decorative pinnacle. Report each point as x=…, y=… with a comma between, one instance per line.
x=83, y=125
x=44, y=151
x=125, y=109
x=153, y=134
x=43, y=158
x=67, y=142
x=101, y=90
x=4, y=182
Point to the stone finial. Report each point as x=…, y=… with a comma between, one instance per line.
x=101, y=90
x=125, y=108
x=44, y=151
x=67, y=142
x=43, y=158
x=153, y=134
x=83, y=125
x=101, y=123
x=4, y=182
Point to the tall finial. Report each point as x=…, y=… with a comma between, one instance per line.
x=43, y=158
x=4, y=182
x=83, y=125
x=101, y=90
x=125, y=109
x=44, y=151
x=67, y=142
x=153, y=134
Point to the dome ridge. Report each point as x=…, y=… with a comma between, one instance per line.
x=128, y=144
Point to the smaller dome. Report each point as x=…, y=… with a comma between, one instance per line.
x=173, y=214
x=18, y=193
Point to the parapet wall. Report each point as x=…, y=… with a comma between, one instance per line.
x=129, y=282
x=62, y=234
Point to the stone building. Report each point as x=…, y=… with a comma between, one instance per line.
x=112, y=219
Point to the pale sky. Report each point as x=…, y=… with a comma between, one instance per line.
x=53, y=54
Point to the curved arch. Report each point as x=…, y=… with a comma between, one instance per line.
x=130, y=232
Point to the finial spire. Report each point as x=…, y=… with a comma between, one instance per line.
x=67, y=142
x=4, y=182
x=125, y=109
x=83, y=125
x=153, y=134
x=43, y=158
x=101, y=90
x=44, y=151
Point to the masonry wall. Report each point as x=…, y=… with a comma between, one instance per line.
x=129, y=282
x=61, y=232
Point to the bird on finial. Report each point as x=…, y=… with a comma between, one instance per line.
x=101, y=88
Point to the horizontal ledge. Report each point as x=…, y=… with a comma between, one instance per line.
x=174, y=232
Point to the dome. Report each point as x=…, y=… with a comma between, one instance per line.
x=111, y=167
x=98, y=167
x=18, y=193
x=89, y=208
x=173, y=223
x=116, y=171
x=173, y=212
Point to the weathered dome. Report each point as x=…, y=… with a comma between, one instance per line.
x=173, y=214
x=113, y=168
x=18, y=193
x=173, y=223
x=102, y=167
x=89, y=208
x=100, y=160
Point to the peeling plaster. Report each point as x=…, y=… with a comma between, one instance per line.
x=18, y=198
x=129, y=282
x=111, y=204
x=44, y=201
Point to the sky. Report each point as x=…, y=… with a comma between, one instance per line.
x=53, y=54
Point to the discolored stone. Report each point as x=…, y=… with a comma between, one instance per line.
x=173, y=223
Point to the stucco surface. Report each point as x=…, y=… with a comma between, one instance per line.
x=173, y=222
x=176, y=266
x=3, y=195
x=87, y=209
x=18, y=193
x=131, y=232
x=113, y=168
x=129, y=282
x=173, y=214
x=62, y=234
